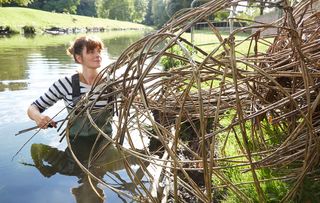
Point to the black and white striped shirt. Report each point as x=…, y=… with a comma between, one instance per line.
x=62, y=89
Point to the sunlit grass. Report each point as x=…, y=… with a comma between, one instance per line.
x=208, y=41
x=16, y=18
x=229, y=146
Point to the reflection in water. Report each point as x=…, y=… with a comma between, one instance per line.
x=13, y=64
x=49, y=161
x=115, y=46
x=2, y=86
x=20, y=54
x=13, y=86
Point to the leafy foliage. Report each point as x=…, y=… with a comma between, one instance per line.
x=18, y=2
x=172, y=6
x=59, y=6
x=148, y=20
x=139, y=11
x=114, y=9
x=221, y=16
x=310, y=190
x=149, y=12
x=87, y=8
x=169, y=62
x=158, y=13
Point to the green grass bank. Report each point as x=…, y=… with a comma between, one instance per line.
x=16, y=18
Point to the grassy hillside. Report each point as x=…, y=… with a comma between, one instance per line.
x=16, y=18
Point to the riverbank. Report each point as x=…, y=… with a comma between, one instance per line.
x=24, y=21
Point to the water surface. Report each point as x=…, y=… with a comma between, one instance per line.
x=28, y=66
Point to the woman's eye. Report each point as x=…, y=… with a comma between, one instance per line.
x=94, y=51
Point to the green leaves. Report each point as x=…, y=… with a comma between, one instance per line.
x=127, y=10
x=19, y=2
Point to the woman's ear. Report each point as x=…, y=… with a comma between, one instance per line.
x=78, y=58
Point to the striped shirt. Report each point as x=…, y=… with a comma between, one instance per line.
x=62, y=89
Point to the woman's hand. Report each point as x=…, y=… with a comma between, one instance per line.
x=42, y=121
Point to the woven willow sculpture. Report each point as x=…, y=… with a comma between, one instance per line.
x=262, y=104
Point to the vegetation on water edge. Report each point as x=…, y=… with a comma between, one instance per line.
x=48, y=40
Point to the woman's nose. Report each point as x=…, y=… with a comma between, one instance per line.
x=97, y=53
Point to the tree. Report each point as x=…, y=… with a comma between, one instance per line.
x=37, y=4
x=87, y=8
x=222, y=15
x=159, y=13
x=63, y=6
x=172, y=6
x=59, y=6
x=18, y=2
x=114, y=9
x=139, y=10
x=148, y=20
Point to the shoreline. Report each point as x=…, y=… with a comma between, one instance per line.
x=30, y=30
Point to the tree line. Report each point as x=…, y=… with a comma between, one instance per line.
x=149, y=12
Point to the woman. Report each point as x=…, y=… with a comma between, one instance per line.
x=86, y=50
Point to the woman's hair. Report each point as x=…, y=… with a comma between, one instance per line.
x=90, y=42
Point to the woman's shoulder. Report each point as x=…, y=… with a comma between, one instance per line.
x=65, y=80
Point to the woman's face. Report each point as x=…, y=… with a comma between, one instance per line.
x=90, y=58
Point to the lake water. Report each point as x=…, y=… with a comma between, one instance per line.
x=28, y=66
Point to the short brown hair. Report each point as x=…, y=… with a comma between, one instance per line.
x=90, y=42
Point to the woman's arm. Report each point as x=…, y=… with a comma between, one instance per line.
x=41, y=120
x=57, y=91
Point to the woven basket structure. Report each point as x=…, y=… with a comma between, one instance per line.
x=262, y=103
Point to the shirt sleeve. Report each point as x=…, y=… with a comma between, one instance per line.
x=56, y=91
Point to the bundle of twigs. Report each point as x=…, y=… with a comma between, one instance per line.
x=220, y=95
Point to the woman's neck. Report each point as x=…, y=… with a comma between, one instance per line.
x=88, y=76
